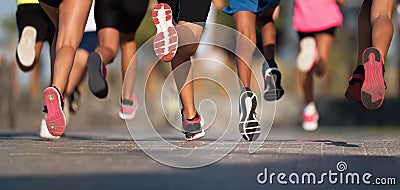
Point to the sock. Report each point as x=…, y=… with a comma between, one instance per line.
x=245, y=89
x=272, y=64
x=359, y=70
x=310, y=108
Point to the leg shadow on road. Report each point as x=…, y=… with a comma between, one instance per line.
x=337, y=143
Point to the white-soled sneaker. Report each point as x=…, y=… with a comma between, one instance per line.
x=310, y=118
x=44, y=132
x=26, y=46
x=308, y=55
x=248, y=125
x=166, y=40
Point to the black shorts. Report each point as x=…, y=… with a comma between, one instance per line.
x=52, y=3
x=123, y=15
x=330, y=31
x=189, y=10
x=33, y=15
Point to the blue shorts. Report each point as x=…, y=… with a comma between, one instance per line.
x=254, y=6
x=89, y=41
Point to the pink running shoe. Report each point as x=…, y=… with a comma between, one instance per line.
x=373, y=88
x=310, y=120
x=128, y=108
x=166, y=39
x=55, y=119
x=193, y=128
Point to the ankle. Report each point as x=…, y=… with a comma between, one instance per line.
x=246, y=89
x=188, y=114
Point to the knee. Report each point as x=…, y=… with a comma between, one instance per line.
x=81, y=58
x=246, y=33
x=67, y=48
x=113, y=53
x=108, y=53
x=323, y=58
x=128, y=44
x=380, y=17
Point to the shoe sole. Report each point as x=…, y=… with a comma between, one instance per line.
x=128, y=116
x=26, y=46
x=166, y=40
x=44, y=132
x=248, y=133
x=373, y=88
x=55, y=120
x=310, y=126
x=97, y=84
x=196, y=136
x=306, y=57
x=275, y=92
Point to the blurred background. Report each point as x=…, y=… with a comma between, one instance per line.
x=21, y=102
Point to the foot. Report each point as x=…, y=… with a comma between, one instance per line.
x=97, y=75
x=166, y=39
x=273, y=89
x=373, y=88
x=26, y=46
x=192, y=128
x=55, y=120
x=310, y=117
x=308, y=55
x=128, y=108
x=248, y=125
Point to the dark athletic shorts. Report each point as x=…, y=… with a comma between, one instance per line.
x=33, y=15
x=52, y=3
x=330, y=31
x=189, y=10
x=123, y=15
x=89, y=41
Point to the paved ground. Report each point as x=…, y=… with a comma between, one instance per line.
x=107, y=159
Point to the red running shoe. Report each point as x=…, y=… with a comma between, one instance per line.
x=128, y=108
x=55, y=120
x=166, y=40
x=373, y=88
x=193, y=128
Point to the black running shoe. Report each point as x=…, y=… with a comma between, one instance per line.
x=273, y=89
x=192, y=128
x=248, y=125
x=97, y=75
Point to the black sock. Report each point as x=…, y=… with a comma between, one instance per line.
x=245, y=89
x=359, y=70
x=272, y=64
